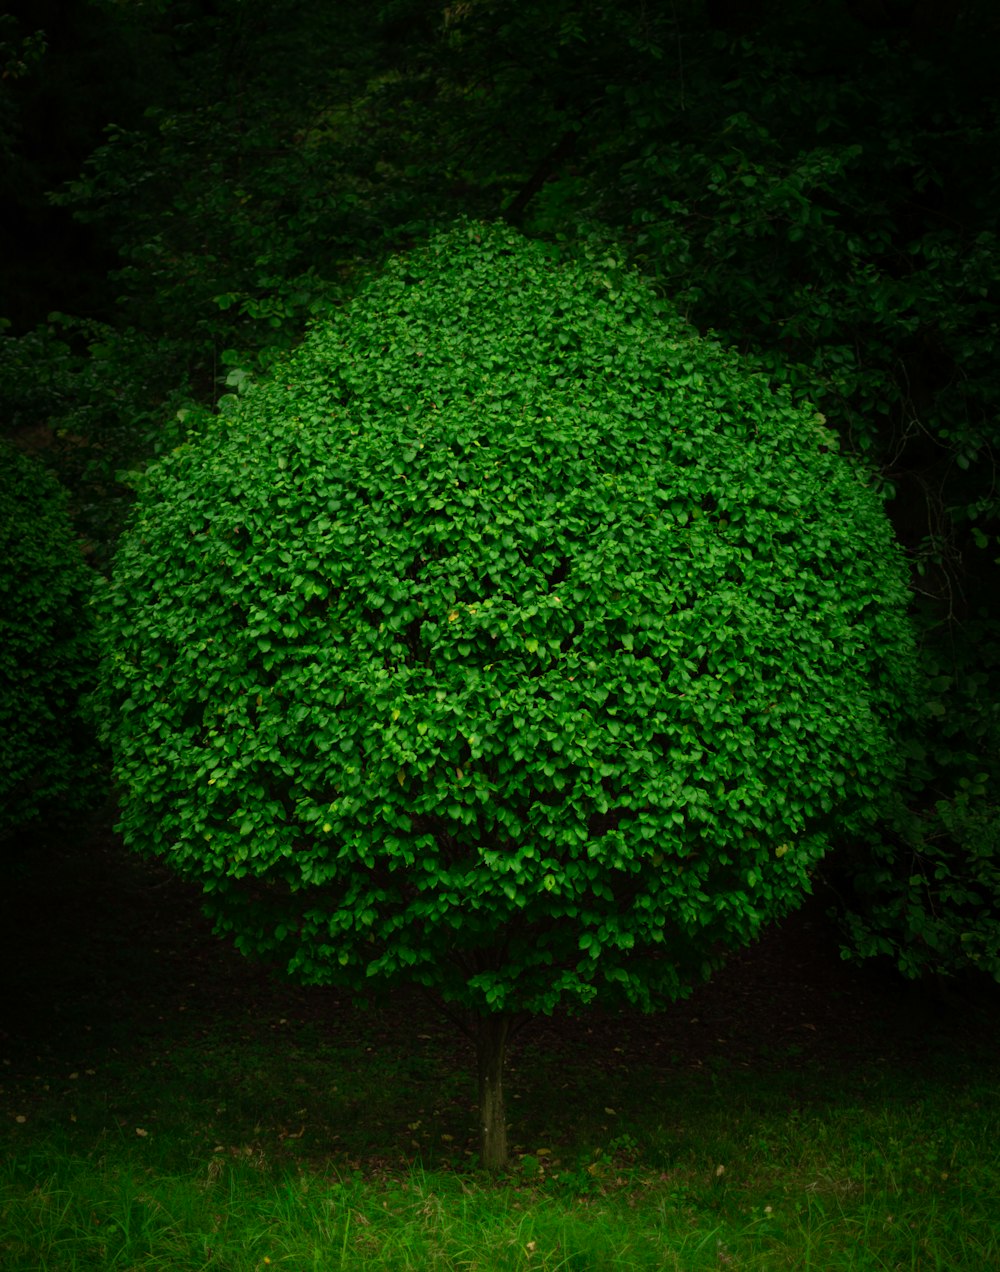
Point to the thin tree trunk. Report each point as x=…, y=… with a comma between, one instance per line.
x=547, y=168
x=490, y=1036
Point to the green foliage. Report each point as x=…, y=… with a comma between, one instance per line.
x=510, y=640
x=97, y=398
x=822, y=198
x=925, y=883
x=929, y=899
x=243, y=205
x=19, y=56
x=813, y=186
x=47, y=653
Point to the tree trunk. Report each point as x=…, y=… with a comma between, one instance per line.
x=547, y=168
x=490, y=1035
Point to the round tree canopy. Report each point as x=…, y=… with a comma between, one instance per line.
x=512, y=639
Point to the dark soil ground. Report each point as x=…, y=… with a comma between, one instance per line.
x=100, y=949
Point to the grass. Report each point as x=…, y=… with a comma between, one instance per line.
x=222, y=1153
x=180, y=1113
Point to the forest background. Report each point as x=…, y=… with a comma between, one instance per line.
x=185, y=186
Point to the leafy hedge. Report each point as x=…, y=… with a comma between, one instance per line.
x=47, y=651
x=510, y=639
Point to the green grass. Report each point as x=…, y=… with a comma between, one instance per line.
x=165, y=1107
x=284, y=1151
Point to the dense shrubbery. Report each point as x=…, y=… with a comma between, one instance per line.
x=923, y=885
x=47, y=654
x=102, y=401
x=511, y=640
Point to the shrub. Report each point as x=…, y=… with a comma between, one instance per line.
x=922, y=887
x=511, y=640
x=47, y=652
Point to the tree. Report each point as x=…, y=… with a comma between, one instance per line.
x=510, y=641
x=47, y=653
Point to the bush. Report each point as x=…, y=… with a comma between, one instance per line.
x=47, y=652
x=923, y=886
x=511, y=641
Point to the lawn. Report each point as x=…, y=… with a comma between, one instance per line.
x=166, y=1105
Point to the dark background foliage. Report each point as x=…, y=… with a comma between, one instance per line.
x=185, y=185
